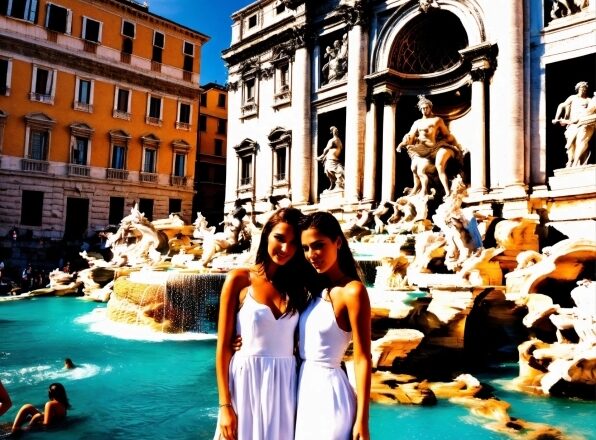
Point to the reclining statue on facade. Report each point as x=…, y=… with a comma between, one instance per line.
x=430, y=146
x=578, y=115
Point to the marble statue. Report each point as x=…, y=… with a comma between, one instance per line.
x=137, y=241
x=336, y=66
x=334, y=170
x=460, y=229
x=578, y=114
x=234, y=227
x=358, y=226
x=563, y=8
x=201, y=228
x=430, y=145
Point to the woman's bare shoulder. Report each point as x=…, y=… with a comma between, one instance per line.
x=239, y=277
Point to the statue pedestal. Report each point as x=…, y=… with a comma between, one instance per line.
x=331, y=199
x=576, y=178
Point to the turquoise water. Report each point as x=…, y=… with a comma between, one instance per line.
x=132, y=384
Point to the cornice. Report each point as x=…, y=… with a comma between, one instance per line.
x=55, y=57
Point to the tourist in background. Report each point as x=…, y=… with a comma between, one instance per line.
x=257, y=383
x=328, y=408
x=55, y=410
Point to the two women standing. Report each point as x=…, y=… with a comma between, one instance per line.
x=258, y=390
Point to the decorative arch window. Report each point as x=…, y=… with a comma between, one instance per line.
x=417, y=50
x=37, y=142
x=246, y=152
x=119, y=140
x=80, y=149
x=150, y=144
x=282, y=75
x=180, y=148
x=280, y=141
x=250, y=88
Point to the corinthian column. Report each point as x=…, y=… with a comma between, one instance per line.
x=301, y=142
x=507, y=118
x=370, y=152
x=356, y=105
x=388, y=167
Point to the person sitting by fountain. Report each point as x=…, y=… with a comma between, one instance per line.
x=55, y=411
x=5, y=402
x=262, y=303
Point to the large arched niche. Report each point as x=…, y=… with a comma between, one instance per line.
x=408, y=19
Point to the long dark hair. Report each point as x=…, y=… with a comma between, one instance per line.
x=289, y=278
x=57, y=392
x=327, y=224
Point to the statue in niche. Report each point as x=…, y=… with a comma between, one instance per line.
x=425, y=5
x=563, y=8
x=337, y=61
x=430, y=145
x=578, y=114
x=333, y=168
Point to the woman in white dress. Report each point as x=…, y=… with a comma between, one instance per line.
x=257, y=383
x=328, y=407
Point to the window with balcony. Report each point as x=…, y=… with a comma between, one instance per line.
x=150, y=144
x=126, y=51
x=5, y=76
x=37, y=140
x=32, y=208
x=43, y=85
x=181, y=148
x=58, y=18
x=188, y=50
x=154, y=110
x=91, y=30
x=122, y=103
x=246, y=171
x=221, y=100
x=118, y=157
x=180, y=164
x=184, y=116
x=83, y=95
x=119, y=140
x=80, y=147
x=249, y=90
x=149, y=160
x=23, y=9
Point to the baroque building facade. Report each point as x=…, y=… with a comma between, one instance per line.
x=98, y=111
x=211, y=159
x=495, y=72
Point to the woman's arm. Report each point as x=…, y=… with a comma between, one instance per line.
x=228, y=307
x=5, y=402
x=358, y=307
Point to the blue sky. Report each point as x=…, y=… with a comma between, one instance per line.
x=210, y=17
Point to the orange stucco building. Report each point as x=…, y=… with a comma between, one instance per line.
x=99, y=103
x=211, y=158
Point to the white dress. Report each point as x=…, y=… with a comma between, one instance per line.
x=263, y=373
x=326, y=400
